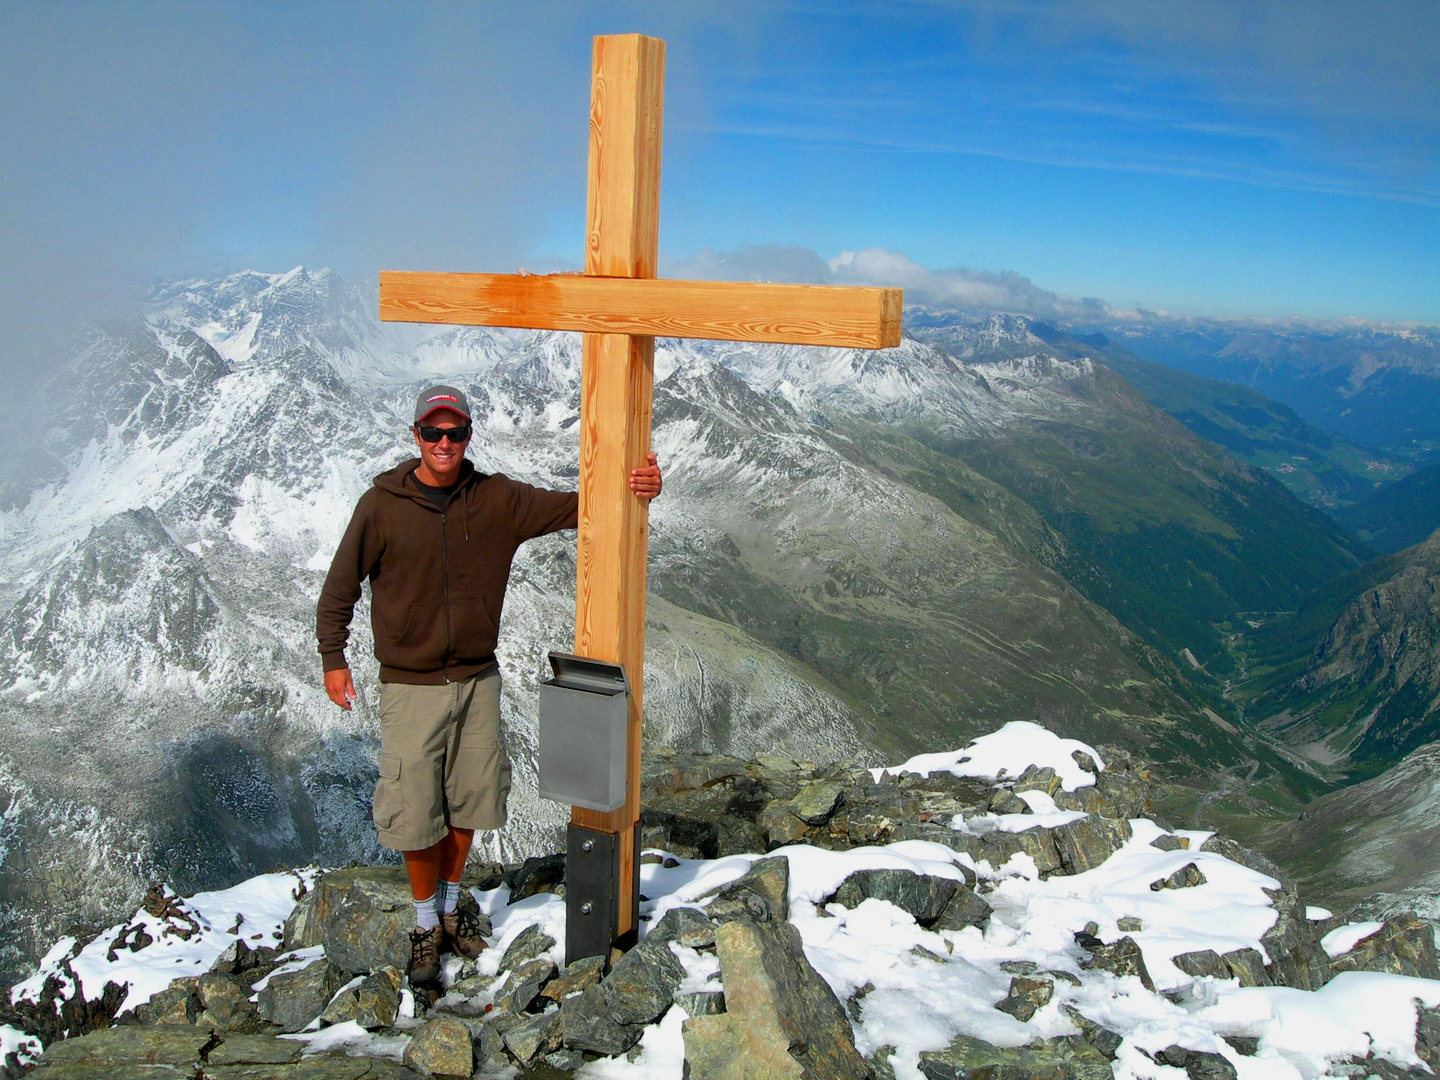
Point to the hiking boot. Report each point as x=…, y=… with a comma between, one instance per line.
x=425, y=955
x=462, y=934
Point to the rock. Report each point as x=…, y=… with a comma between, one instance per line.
x=1201, y=963
x=1005, y=801
x=1171, y=843
x=535, y=1036
x=1427, y=1037
x=1124, y=782
x=1019, y=967
x=702, y=1003
x=1027, y=997
x=227, y=1004
x=1088, y=800
x=816, y=802
x=641, y=985
x=780, y=825
x=373, y=1004
x=1404, y=945
x=964, y=909
x=302, y=926
x=1236, y=852
x=255, y=1050
x=292, y=999
x=1248, y=966
x=1296, y=958
x=872, y=813
x=233, y=1018
x=1037, y=778
x=583, y=973
x=170, y=1045
x=529, y=944
x=1129, y=924
x=686, y=926
x=761, y=893
x=178, y=1003
x=1104, y=1040
x=665, y=772
x=588, y=1025
x=1122, y=958
x=238, y=958
x=1087, y=842
x=442, y=1048
x=213, y=988
x=738, y=836
x=779, y=765
x=524, y=983
x=717, y=1049
x=541, y=873
x=365, y=914
x=565, y=1061
x=1066, y=1058
x=323, y=1067
x=1245, y=1045
x=922, y=895
x=1198, y=1064
x=781, y=1019
x=1039, y=844
x=1187, y=877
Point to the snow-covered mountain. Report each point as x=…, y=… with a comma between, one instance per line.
x=820, y=584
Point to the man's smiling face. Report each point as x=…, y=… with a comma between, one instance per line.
x=441, y=459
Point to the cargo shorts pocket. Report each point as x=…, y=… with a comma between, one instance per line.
x=389, y=799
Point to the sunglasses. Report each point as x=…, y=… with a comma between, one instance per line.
x=457, y=435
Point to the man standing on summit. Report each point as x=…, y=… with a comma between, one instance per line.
x=435, y=539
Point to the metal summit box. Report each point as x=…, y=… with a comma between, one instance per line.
x=584, y=723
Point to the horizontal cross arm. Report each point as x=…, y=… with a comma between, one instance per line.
x=846, y=317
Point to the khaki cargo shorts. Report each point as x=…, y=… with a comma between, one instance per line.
x=442, y=761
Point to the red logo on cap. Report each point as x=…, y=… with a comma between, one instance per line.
x=441, y=397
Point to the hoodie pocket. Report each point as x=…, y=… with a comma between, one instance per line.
x=420, y=645
x=472, y=629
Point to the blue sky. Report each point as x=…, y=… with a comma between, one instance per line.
x=1246, y=159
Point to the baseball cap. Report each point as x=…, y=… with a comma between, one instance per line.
x=441, y=397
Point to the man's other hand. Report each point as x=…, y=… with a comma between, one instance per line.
x=340, y=687
x=645, y=481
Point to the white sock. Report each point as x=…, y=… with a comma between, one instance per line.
x=449, y=893
x=425, y=914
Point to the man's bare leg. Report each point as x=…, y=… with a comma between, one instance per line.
x=423, y=869
x=454, y=850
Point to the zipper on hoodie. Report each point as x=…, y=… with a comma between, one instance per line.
x=445, y=575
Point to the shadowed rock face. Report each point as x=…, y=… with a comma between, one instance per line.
x=1374, y=843
x=1352, y=680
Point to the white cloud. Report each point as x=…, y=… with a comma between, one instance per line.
x=956, y=287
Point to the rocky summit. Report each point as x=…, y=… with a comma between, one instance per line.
x=954, y=917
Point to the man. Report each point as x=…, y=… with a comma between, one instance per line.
x=435, y=539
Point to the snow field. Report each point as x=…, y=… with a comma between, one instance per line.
x=253, y=911
x=1005, y=754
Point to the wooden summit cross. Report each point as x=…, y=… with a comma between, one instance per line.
x=621, y=307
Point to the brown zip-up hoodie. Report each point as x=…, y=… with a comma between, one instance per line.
x=437, y=578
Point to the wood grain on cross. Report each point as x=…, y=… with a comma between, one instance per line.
x=620, y=307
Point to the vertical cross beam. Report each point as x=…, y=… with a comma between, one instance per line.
x=617, y=374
